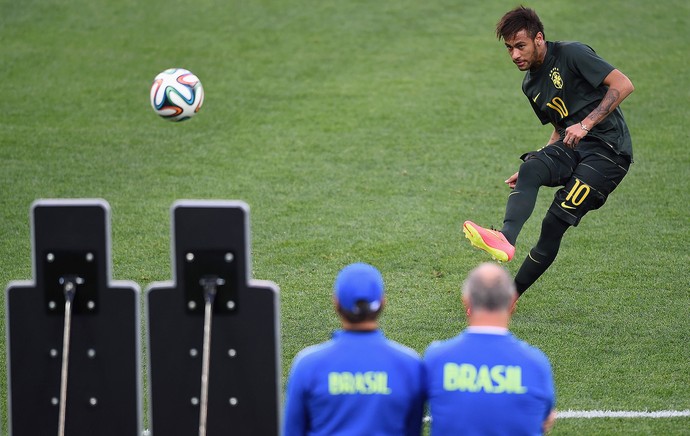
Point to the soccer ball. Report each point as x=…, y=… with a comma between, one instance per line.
x=176, y=94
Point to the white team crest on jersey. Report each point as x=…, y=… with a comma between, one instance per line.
x=555, y=76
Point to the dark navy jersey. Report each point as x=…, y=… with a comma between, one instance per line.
x=358, y=383
x=568, y=86
x=485, y=381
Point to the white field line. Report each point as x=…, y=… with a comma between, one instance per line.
x=622, y=414
x=589, y=414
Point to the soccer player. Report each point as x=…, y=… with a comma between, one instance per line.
x=486, y=381
x=589, y=151
x=359, y=382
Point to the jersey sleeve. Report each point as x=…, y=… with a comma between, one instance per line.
x=552, y=390
x=547, y=375
x=295, y=417
x=584, y=60
x=413, y=426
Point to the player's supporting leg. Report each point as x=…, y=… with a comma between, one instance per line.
x=533, y=174
x=542, y=255
x=596, y=176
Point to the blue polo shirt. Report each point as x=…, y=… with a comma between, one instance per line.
x=485, y=381
x=358, y=383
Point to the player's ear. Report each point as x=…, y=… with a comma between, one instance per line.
x=466, y=303
x=539, y=39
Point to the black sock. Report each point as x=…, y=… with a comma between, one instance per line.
x=543, y=254
x=532, y=175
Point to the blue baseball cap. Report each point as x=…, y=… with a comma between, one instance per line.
x=356, y=282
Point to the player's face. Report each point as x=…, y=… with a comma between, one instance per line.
x=526, y=53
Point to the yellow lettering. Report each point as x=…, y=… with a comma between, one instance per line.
x=347, y=381
x=382, y=384
x=484, y=380
x=450, y=377
x=498, y=377
x=492, y=380
x=366, y=383
x=514, y=380
x=359, y=382
x=467, y=374
x=333, y=385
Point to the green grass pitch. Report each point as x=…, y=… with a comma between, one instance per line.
x=366, y=131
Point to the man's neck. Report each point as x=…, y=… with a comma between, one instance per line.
x=484, y=318
x=366, y=326
x=541, y=55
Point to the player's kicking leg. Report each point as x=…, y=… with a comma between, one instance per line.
x=533, y=174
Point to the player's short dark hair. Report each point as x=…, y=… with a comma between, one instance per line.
x=362, y=312
x=520, y=18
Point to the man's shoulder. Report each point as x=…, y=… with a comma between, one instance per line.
x=439, y=347
x=531, y=352
x=403, y=351
x=314, y=353
x=324, y=351
x=461, y=341
x=570, y=48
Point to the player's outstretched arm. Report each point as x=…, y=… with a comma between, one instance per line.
x=549, y=422
x=555, y=136
x=619, y=87
x=512, y=180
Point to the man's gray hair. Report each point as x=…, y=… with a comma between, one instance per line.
x=489, y=287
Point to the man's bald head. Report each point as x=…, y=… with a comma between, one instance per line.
x=489, y=287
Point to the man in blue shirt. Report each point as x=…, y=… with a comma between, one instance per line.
x=485, y=381
x=359, y=382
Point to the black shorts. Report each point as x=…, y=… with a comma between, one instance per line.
x=588, y=175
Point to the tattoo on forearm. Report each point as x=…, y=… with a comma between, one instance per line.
x=606, y=106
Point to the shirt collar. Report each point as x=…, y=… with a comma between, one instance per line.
x=357, y=333
x=487, y=330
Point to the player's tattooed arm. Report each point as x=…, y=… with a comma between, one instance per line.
x=608, y=104
x=619, y=88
